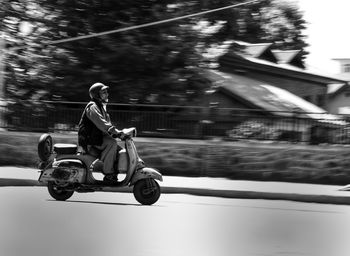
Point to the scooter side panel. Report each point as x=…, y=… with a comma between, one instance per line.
x=146, y=173
x=65, y=170
x=123, y=161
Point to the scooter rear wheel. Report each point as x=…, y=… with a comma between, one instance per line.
x=146, y=191
x=57, y=192
x=45, y=147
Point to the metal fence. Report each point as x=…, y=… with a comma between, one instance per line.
x=185, y=122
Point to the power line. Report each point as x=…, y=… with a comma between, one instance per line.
x=142, y=25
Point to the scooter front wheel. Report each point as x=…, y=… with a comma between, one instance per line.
x=57, y=192
x=146, y=191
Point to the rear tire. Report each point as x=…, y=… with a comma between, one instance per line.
x=147, y=191
x=45, y=147
x=58, y=192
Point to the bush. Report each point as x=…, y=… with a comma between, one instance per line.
x=250, y=161
x=253, y=130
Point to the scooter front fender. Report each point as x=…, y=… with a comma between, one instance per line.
x=146, y=173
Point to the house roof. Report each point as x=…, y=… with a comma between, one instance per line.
x=261, y=57
x=334, y=88
x=265, y=96
x=247, y=90
x=334, y=91
x=310, y=109
x=235, y=60
x=258, y=57
x=264, y=51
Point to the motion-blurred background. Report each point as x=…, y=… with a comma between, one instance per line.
x=222, y=70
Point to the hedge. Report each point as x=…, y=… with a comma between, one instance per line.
x=248, y=160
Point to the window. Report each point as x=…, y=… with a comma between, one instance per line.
x=347, y=92
x=307, y=98
x=346, y=68
x=321, y=100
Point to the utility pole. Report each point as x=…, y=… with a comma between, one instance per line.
x=2, y=66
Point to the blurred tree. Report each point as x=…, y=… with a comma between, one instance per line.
x=267, y=21
x=162, y=61
x=30, y=65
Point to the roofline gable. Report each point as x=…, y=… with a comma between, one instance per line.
x=232, y=61
x=285, y=56
x=256, y=50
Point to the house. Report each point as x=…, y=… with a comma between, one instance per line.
x=283, y=69
x=240, y=99
x=258, y=82
x=339, y=95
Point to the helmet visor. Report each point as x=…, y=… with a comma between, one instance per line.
x=105, y=87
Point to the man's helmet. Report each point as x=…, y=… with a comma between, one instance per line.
x=95, y=89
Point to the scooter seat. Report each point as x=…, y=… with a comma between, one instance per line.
x=62, y=148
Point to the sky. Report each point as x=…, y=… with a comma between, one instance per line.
x=327, y=33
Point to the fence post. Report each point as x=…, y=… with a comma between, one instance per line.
x=133, y=121
x=2, y=65
x=295, y=125
x=199, y=133
x=204, y=161
x=213, y=112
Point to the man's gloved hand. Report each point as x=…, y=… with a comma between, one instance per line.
x=124, y=136
x=114, y=132
x=117, y=135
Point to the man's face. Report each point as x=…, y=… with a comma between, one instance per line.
x=104, y=95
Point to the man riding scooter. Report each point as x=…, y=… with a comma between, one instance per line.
x=96, y=135
x=67, y=169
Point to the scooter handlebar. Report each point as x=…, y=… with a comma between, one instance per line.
x=130, y=131
x=121, y=136
x=125, y=134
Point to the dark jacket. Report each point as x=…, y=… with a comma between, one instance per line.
x=94, y=124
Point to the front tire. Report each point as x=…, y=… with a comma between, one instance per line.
x=146, y=191
x=57, y=192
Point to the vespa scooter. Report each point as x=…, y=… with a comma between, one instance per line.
x=66, y=170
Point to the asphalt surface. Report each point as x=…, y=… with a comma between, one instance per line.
x=216, y=187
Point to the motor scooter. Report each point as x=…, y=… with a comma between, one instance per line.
x=66, y=170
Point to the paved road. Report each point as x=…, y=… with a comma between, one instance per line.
x=105, y=224
x=217, y=187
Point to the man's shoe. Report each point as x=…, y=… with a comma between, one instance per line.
x=111, y=178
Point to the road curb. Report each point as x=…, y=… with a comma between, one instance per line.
x=243, y=194
x=322, y=199
x=235, y=194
